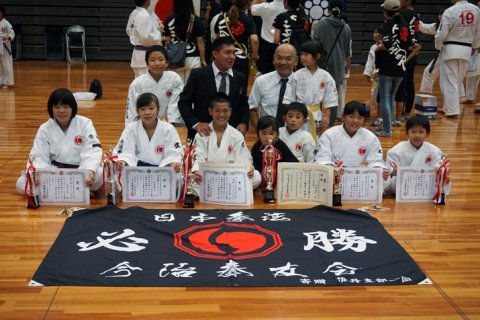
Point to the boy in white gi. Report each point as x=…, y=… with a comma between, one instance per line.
x=413, y=152
x=353, y=144
x=66, y=140
x=166, y=85
x=225, y=144
x=149, y=141
x=314, y=87
x=299, y=141
x=143, y=33
x=6, y=65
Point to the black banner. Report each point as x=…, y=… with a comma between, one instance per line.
x=321, y=246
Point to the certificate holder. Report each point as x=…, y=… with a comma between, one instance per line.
x=360, y=184
x=415, y=184
x=225, y=184
x=305, y=183
x=149, y=184
x=63, y=186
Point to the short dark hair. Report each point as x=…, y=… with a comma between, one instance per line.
x=218, y=43
x=2, y=10
x=220, y=97
x=154, y=48
x=417, y=121
x=314, y=48
x=266, y=122
x=145, y=99
x=296, y=106
x=64, y=96
x=355, y=106
x=140, y=3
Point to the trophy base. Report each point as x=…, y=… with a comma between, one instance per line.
x=269, y=196
x=33, y=202
x=441, y=200
x=337, y=200
x=111, y=200
x=188, y=203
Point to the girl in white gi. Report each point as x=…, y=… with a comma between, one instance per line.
x=6, y=64
x=143, y=33
x=67, y=140
x=413, y=152
x=225, y=144
x=166, y=85
x=299, y=141
x=314, y=87
x=149, y=141
x=350, y=142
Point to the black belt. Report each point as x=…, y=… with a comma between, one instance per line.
x=64, y=165
x=139, y=47
x=141, y=163
x=465, y=44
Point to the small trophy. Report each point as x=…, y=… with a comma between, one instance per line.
x=31, y=195
x=109, y=184
x=337, y=182
x=269, y=170
x=188, y=161
x=442, y=179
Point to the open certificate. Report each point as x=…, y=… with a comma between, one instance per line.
x=360, y=184
x=415, y=184
x=149, y=184
x=304, y=183
x=63, y=186
x=225, y=183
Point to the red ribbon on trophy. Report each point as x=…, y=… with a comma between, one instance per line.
x=187, y=163
x=270, y=158
x=442, y=180
x=31, y=195
x=108, y=170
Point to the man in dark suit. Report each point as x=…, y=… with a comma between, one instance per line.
x=205, y=82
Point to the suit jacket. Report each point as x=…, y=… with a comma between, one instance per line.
x=200, y=89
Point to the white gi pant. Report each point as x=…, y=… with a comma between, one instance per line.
x=6, y=68
x=452, y=73
x=429, y=78
x=471, y=86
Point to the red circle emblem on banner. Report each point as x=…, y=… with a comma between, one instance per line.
x=78, y=140
x=225, y=241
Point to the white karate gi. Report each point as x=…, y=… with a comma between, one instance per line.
x=6, y=61
x=314, y=90
x=353, y=151
x=162, y=149
x=232, y=149
x=428, y=78
x=457, y=34
x=142, y=33
x=300, y=142
x=372, y=72
x=404, y=154
x=167, y=90
x=78, y=146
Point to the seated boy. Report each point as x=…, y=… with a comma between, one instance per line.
x=225, y=144
x=413, y=152
x=299, y=141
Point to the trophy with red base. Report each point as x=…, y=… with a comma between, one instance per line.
x=31, y=195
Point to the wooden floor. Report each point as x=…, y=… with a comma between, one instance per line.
x=443, y=240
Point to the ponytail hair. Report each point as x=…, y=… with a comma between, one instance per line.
x=234, y=12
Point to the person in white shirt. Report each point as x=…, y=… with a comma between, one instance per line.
x=267, y=11
x=353, y=144
x=413, y=152
x=149, y=141
x=6, y=64
x=166, y=85
x=314, y=87
x=142, y=33
x=457, y=34
x=66, y=140
x=371, y=74
x=299, y=141
x=266, y=96
x=432, y=70
x=225, y=144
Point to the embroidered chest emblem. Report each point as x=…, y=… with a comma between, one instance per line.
x=362, y=151
x=428, y=159
x=78, y=140
x=298, y=147
x=158, y=149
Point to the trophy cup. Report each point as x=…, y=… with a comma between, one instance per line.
x=269, y=161
x=31, y=195
x=188, y=160
x=337, y=182
x=109, y=184
x=442, y=179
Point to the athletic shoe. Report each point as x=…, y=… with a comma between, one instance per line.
x=383, y=134
x=396, y=123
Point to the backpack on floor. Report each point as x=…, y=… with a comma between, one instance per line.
x=96, y=87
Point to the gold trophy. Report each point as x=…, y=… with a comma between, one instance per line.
x=188, y=161
x=337, y=182
x=269, y=171
x=109, y=184
x=31, y=195
x=443, y=179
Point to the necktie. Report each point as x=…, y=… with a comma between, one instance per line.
x=280, y=107
x=223, y=83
